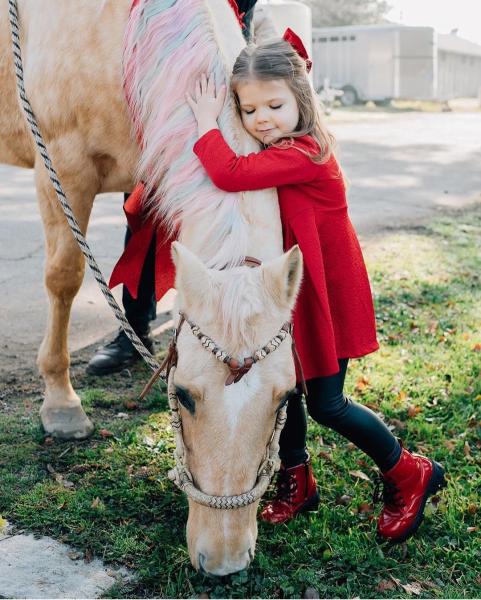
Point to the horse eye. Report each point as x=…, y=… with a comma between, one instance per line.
x=185, y=398
x=287, y=396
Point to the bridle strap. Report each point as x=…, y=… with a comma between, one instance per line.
x=169, y=361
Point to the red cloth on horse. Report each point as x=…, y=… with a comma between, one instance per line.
x=334, y=314
x=129, y=266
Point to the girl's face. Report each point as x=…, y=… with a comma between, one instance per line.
x=268, y=108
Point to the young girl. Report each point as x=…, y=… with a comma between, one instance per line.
x=334, y=316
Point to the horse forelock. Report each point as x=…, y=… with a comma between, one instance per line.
x=168, y=44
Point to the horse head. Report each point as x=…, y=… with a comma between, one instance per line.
x=227, y=428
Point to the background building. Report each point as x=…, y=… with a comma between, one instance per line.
x=383, y=62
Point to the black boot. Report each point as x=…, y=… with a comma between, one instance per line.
x=117, y=354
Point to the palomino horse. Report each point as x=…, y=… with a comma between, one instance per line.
x=72, y=56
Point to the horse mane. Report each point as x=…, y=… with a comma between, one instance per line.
x=168, y=45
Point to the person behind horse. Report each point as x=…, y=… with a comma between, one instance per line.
x=140, y=311
x=334, y=316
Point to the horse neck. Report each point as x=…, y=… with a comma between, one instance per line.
x=259, y=210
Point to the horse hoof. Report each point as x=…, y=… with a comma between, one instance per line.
x=66, y=423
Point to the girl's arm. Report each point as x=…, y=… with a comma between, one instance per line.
x=266, y=169
x=272, y=167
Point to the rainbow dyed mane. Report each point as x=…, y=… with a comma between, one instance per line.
x=168, y=45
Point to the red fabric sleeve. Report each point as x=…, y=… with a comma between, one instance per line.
x=268, y=168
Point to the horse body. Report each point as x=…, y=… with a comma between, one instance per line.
x=73, y=78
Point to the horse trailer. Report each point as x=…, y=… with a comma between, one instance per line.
x=385, y=62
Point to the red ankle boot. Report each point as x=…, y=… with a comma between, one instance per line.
x=296, y=492
x=407, y=486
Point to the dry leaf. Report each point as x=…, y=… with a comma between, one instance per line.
x=131, y=405
x=450, y=444
x=362, y=383
x=95, y=503
x=413, y=410
x=364, y=507
x=401, y=425
x=476, y=347
x=412, y=588
x=385, y=585
x=360, y=475
x=88, y=555
x=471, y=529
x=105, y=433
x=467, y=450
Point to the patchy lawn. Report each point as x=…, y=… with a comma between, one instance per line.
x=110, y=496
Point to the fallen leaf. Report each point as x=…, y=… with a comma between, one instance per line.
x=401, y=396
x=345, y=500
x=472, y=509
x=413, y=410
x=401, y=425
x=412, y=588
x=476, y=347
x=362, y=383
x=385, y=585
x=364, y=507
x=449, y=444
x=105, y=433
x=467, y=449
x=131, y=405
x=471, y=529
x=88, y=555
x=360, y=475
x=95, y=503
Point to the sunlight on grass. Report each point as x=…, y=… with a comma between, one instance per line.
x=110, y=495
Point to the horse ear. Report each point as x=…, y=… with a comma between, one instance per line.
x=191, y=274
x=283, y=276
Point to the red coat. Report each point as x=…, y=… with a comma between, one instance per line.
x=334, y=314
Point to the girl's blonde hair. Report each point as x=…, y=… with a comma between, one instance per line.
x=279, y=60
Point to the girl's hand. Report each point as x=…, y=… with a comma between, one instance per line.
x=207, y=106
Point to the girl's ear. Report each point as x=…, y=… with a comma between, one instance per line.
x=283, y=276
x=191, y=275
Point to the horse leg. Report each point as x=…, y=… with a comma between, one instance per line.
x=61, y=413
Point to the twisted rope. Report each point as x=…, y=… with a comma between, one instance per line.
x=72, y=221
x=183, y=479
x=222, y=356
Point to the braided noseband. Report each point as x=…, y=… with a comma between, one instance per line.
x=180, y=474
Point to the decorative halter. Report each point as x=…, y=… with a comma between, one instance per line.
x=180, y=474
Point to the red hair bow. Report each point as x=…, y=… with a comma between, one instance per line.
x=238, y=14
x=296, y=42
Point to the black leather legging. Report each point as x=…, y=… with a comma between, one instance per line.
x=327, y=405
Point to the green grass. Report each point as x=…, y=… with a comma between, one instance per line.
x=110, y=496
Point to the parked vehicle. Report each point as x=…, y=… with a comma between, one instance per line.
x=384, y=62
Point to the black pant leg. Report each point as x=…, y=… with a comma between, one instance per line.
x=292, y=441
x=328, y=406
x=139, y=312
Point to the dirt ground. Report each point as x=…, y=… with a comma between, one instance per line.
x=403, y=168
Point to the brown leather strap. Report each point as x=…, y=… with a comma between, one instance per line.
x=251, y=261
x=237, y=371
x=169, y=361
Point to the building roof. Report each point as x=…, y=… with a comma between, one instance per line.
x=449, y=42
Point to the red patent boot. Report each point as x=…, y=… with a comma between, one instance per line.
x=296, y=492
x=407, y=486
